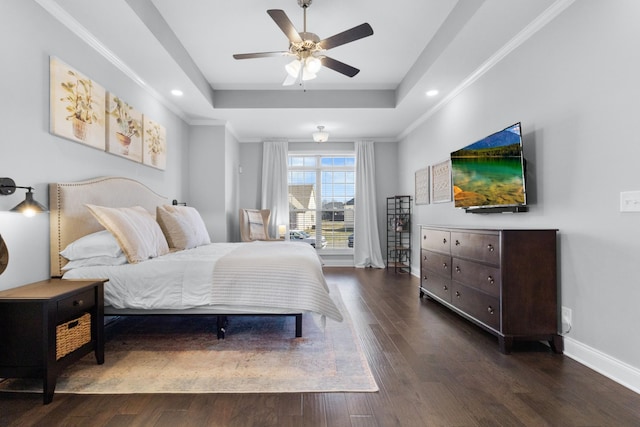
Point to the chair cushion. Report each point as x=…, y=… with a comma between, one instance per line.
x=256, y=225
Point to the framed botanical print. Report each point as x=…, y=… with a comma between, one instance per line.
x=124, y=129
x=77, y=110
x=155, y=144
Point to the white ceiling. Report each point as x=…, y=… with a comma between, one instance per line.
x=417, y=45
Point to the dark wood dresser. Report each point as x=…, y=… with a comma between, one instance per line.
x=504, y=281
x=48, y=325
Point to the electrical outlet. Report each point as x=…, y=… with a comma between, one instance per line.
x=566, y=319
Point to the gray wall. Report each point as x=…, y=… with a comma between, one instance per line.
x=574, y=86
x=34, y=157
x=209, y=178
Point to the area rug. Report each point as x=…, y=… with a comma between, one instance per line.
x=181, y=354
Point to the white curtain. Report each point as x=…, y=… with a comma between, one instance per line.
x=275, y=190
x=366, y=247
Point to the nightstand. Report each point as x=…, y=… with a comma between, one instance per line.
x=48, y=325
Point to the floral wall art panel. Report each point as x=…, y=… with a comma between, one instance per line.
x=77, y=105
x=124, y=129
x=441, y=182
x=155, y=144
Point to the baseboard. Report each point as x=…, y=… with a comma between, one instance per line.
x=604, y=364
x=620, y=372
x=337, y=261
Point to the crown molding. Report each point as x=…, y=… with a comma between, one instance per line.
x=75, y=27
x=534, y=26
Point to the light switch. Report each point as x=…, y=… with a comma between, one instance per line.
x=630, y=201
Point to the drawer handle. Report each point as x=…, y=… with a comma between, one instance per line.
x=457, y=242
x=490, y=310
x=458, y=269
x=444, y=288
x=78, y=303
x=490, y=247
x=490, y=280
x=424, y=277
x=444, y=265
x=424, y=258
x=444, y=240
x=457, y=294
x=424, y=237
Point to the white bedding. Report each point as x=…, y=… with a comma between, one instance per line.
x=259, y=277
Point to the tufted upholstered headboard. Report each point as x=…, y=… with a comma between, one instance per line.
x=70, y=219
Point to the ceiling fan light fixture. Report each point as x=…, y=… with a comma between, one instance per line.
x=320, y=135
x=312, y=64
x=293, y=69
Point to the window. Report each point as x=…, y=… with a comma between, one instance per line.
x=321, y=199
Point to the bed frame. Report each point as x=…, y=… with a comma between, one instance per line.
x=70, y=219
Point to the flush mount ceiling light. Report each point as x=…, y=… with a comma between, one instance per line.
x=320, y=135
x=432, y=92
x=176, y=92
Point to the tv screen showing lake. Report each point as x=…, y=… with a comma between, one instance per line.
x=487, y=181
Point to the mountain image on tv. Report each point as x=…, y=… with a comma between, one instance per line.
x=490, y=172
x=501, y=144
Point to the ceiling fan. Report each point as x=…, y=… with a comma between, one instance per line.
x=307, y=48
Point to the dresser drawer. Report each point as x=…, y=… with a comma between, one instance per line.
x=476, y=304
x=436, y=284
x=435, y=240
x=73, y=306
x=477, y=246
x=476, y=275
x=435, y=262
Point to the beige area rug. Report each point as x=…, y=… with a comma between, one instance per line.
x=181, y=354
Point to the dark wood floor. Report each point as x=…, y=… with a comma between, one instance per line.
x=433, y=369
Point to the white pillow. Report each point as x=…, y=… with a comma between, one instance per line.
x=135, y=229
x=182, y=226
x=101, y=243
x=96, y=261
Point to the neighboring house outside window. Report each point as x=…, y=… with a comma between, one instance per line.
x=321, y=200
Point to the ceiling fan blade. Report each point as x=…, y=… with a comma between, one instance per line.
x=260, y=55
x=340, y=67
x=285, y=25
x=355, y=33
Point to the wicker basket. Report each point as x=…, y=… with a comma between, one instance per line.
x=72, y=335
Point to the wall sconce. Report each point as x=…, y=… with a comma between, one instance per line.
x=28, y=207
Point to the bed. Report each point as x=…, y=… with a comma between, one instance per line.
x=220, y=279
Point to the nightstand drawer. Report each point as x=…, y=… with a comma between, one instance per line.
x=73, y=306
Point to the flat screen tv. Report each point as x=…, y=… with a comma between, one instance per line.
x=489, y=174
